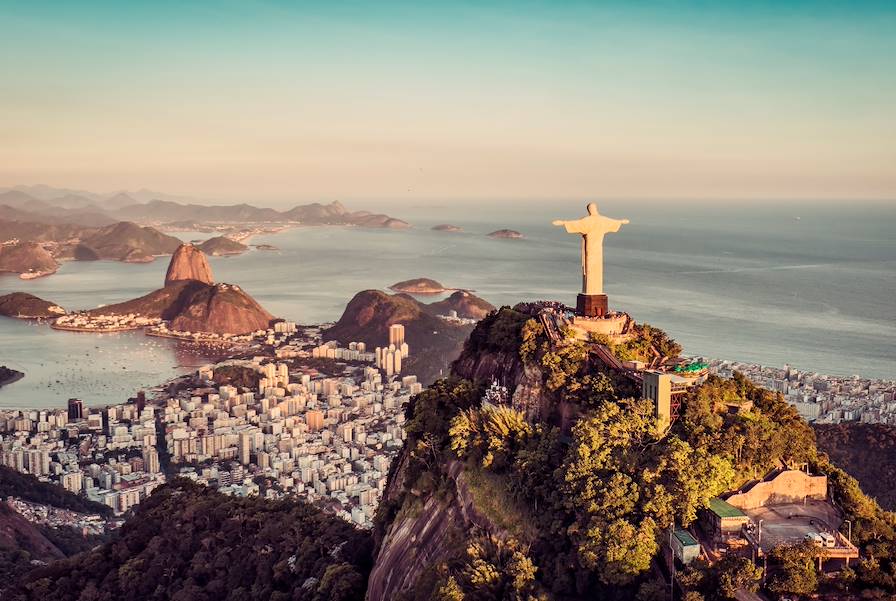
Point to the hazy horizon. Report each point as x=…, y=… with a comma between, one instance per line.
x=381, y=203
x=277, y=103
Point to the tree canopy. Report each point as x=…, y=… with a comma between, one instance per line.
x=189, y=542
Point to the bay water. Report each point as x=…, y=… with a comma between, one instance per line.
x=812, y=285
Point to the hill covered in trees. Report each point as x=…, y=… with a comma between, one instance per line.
x=188, y=542
x=534, y=472
x=433, y=342
x=22, y=543
x=565, y=489
x=867, y=452
x=29, y=488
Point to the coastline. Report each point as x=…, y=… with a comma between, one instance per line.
x=33, y=275
x=221, y=344
x=428, y=291
x=96, y=330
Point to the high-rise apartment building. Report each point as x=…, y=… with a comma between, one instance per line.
x=396, y=334
x=75, y=409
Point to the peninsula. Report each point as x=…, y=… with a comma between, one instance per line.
x=22, y=305
x=189, y=306
x=29, y=259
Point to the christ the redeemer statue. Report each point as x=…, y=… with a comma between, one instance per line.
x=592, y=228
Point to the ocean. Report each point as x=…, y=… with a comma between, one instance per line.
x=810, y=285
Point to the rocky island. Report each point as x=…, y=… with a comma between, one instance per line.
x=8, y=376
x=447, y=227
x=22, y=305
x=419, y=286
x=222, y=245
x=505, y=234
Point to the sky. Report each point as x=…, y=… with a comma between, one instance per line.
x=290, y=101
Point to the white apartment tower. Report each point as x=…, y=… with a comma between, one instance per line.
x=396, y=334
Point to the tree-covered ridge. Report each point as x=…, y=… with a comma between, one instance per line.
x=646, y=343
x=500, y=331
x=188, y=542
x=571, y=372
x=585, y=510
x=756, y=439
x=29, y=488
x=867, y=452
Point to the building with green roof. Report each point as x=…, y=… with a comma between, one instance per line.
x=685, y=546
x=723, y=519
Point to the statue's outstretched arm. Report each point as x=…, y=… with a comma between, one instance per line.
x=578, y=226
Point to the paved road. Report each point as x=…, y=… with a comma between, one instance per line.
x=743, y=595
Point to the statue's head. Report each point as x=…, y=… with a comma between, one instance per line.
x=592, y=208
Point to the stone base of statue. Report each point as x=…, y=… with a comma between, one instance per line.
x=591, y=305
x=615, y=326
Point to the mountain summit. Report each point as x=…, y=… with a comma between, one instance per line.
x=191, y=302
x=188, y=263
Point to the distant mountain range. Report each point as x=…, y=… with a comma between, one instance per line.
x=80, y=225
x=44, y=204
x=49, y=193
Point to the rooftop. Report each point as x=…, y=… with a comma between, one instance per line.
x=723, y=509
x=685, y=538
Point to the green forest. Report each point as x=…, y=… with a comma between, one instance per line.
x=579, y=501
x=190, y=543
x=29, y=488
x=867, y=452
x=581, y=512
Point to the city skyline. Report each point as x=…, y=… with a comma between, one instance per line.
x=264, y=102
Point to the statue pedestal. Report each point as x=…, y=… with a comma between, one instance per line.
x=591, y=305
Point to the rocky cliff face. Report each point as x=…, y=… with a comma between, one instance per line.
x=418, y=540
x=188, y=263
x=524, y=382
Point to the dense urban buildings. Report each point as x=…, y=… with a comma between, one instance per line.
x=299, y=431
x=821, y=398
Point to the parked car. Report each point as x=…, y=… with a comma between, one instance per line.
x=815, y=538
